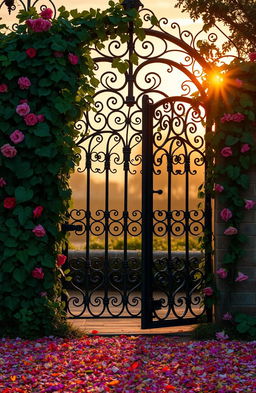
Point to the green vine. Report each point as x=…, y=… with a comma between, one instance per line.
x=233, y=151
x=46, y=82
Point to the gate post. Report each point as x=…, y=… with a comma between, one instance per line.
x=241, y=296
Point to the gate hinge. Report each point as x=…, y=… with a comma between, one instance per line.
x=157, y=304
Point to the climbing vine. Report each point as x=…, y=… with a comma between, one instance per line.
x=233, y=150
x=46, y=82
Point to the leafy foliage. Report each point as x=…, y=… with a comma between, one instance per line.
x=238, y=15
x=61, y=89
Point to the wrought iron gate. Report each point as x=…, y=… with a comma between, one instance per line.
x=161, y=287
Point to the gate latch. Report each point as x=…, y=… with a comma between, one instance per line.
x=71, y=228
x=159, y=192
x=157, y=304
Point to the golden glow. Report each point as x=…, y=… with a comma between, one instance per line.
x=216, y=79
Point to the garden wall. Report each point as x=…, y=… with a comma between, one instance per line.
x=240, y=296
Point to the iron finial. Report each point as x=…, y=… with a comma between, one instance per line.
x=9, y=4
x=128, y=4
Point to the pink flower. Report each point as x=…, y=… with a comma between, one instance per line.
x=58, y=54
x=9, y=203
x=245, y=148
x=61, y=259
x=252, y=56
x=8, y=151
x=43, y=294
x=38, y=25
x=17, y=136
x=226, y=152
x=40, y=118
x=46, y=13
x=227, y=317
x=31, y=52
x=23, y=109
x=222, y=335
x=208, y=291
x=38, y=273
x=222, y=273
x=31, y=119
x=241, y=277
x=2, y=182
x=24, y=83
x=249, y=204
x=37, y=212
x=218, y=188
x=236, y=117
x=3, y=88
x=73, y=59
x=226, y=214
x=230, y=231
x=39, y=231
x=238, y=83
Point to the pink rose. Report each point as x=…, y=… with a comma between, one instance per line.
x=40, y=118
x=238, y=117
x=227, y=317
x=238, y=83
x=230, y=231
x=38, y=273
x=222, y=273
x=46, y=13
x=225, y=118
x=226, y=214
x=31, y=52
x=23, y=109
x=8, y=151
x=61, y=259
x=245, y=148
x=37, y=212
x=3, y=88
x=249, y=204
x=24, y=83
x=252, y=56
x=241, y=277
x=226, y=152
x=58, y=54
x=38, y=25
x=208, y=291
x=31, y=119
x=9, y=203
x=2, y=182
x=222, y=336
x=218, y=188
x=73, y=59
x=39, y=231
x=17, y=136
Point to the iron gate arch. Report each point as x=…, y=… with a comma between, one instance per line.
x=109, y=283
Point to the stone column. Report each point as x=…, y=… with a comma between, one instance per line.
x=242, y=295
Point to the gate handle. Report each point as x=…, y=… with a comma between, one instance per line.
x=159, y=192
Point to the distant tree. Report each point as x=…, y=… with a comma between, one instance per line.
x=238, y=15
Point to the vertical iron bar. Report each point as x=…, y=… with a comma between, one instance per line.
x=187, y=169
x=126, y=152
x=147, y=212
x=208, y=221
x=169, y=233
x=107, y=215
x=88, y=216
x=130, y=100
